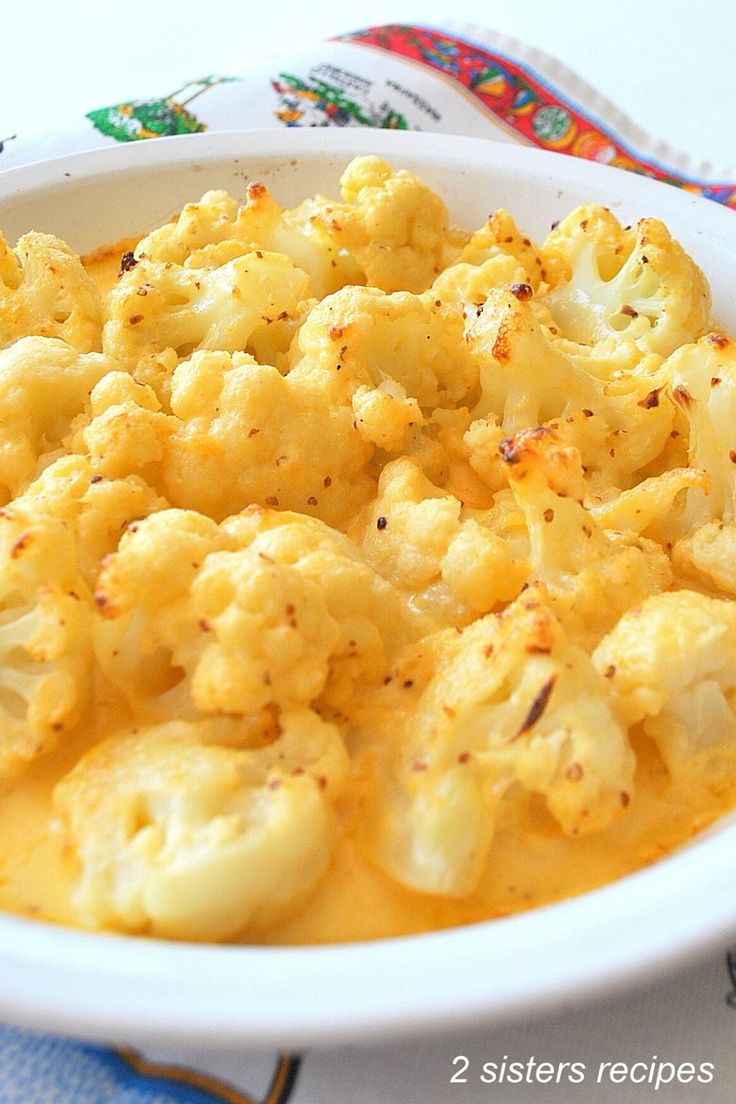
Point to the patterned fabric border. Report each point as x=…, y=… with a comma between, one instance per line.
x=525, y=102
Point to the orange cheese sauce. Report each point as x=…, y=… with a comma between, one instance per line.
x=532, y=862
x=103, y=264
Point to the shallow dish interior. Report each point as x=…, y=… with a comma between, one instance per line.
x=134, y=990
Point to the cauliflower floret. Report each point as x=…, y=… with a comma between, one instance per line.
x=180, y=837
x=125, y=432
x=707, y=556
x=269, y=635
x=246, y=434
x=269, y=609
x=94, y=509
x=374, y=621
x=45, y=291
x=467, y=285
x=157, y=306
x=259, y=224
x=620, y=426
x=589, y=577
x=671, y=664
x=482, y=439
x=501, y=238
x=482, y=569
x=143, y=595
x=524, y=380
x=393, y=224
x=511, y=701
x=407, y=530
x=703, y=384
x=44, y=385
x=641, y=420
x=149, y=639
x=369, y=338
x=636, y=283
x=415, y=536
x=385, y=416
x=649, y=504
x=45, y=650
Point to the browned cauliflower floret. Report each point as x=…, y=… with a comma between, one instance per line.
x=157, y=306
x=45, y=651
x=375, y=621
x=620, y=426
x=259, y=224
x=96, y=510
x=703, y=384
x=123, y=431
x=415, y=536
x=44, y=385
x=501, y=238
x=635, y=283
x=245, y=434
x=524, y=380
x=671, y=664
x=511, y=701
x=467, y=286
x=366, y=337
x=45, y=291
x=180, y=837
x=270, y=609
x=647, y=507
x=392, y=223
x=589, y=576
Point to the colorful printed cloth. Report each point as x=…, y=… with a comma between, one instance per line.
x=466, y=81
x=458, y=80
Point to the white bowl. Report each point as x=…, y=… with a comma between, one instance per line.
x=142, y=990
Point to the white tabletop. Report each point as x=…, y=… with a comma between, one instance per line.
x=668, y=64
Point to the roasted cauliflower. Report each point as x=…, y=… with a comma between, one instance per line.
x=636, y=283
x=512, y=700
x=182, y=837
x=670, y=664
x=45, y=292
x=259, y=224
x=589, y=576
x=45, y=653
x=242, y=433
x=157, y=306
x=269, y=609
x=393, y=224
x=44, y=385
x=376, y=576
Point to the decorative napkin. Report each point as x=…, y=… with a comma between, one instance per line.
x=457, y=80
x=671, y=1041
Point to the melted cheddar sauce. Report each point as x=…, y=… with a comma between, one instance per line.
x=532, y=863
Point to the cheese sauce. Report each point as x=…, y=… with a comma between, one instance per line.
x=532, y=862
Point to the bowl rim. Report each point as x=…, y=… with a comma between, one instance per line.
x=143, y=990
x=456, y=150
